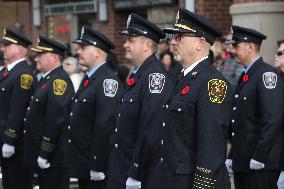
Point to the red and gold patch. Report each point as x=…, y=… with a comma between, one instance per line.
x=217, y=90
x=59, y=87
x=26, y=81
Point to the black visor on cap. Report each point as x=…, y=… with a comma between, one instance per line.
x=137, y=25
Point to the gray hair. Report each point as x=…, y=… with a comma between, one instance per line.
x=74, y=61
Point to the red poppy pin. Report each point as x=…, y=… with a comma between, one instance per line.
x=43, y=86
x=5, y=74
x=185, y=90
x=245, y=78
x=130, y=82
x=86, y=83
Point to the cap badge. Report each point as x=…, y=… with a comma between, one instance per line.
x=177, y=17
x=4, y=32
x=82, y=32
x=128, y=21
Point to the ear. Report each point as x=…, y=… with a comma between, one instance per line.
x=147, y=45
x=251, y=47
x=17, y=48
x=98, y=52
x=53, y=58
x=201, y=43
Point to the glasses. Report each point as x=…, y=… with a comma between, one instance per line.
x=178, y=36
x=280, y=53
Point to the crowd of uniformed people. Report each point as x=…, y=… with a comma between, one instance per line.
x=165, y=126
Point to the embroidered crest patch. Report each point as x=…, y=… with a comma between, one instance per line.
x=269, y=80
x=156, y=82
x=26, y=81
x=110, y=87
x=59, y=87
x=217, y=90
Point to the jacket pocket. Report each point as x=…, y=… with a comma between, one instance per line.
x=184, y=168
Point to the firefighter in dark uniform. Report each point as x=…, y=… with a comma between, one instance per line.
x=257, y=116
x=16, y=87
x=47, y=117
x=135, y=149
x=279, y=60
x=197, y=112
x=2, y=63
x=93, y=111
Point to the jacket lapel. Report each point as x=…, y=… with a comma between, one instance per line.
x=193, y=74
x=147, y=63
x=250, y=74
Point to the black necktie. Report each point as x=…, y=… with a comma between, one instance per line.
x=131, y=75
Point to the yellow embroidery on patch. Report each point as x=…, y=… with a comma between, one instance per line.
x=26, y=81
x=217, y=90
x=59, y=86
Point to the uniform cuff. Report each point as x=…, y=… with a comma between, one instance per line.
x=203, y=178
x=10, y=137
x=134, y=171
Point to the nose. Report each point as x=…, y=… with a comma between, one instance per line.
x=36, y=58
x=173, y=41
x=275, y=56
x=79, y=50
x=233, y=50
x=125, y=44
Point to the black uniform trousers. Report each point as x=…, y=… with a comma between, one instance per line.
x=14, y=174
x=53, y=177
x=88, y=184
x=256, y=180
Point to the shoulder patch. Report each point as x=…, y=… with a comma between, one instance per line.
x=59, y=87
x=110, y=87
x=269, y=80
x=217, y=90
x=26, y=81
x=156, y=82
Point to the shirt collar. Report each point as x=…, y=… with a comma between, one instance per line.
x=48, y=72
x=250, y=65
x=94, y=69
x=187, y=70
x=136, y=70
x=12, y=65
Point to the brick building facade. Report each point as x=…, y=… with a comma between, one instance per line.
x=66, y=27
x=15, y=15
